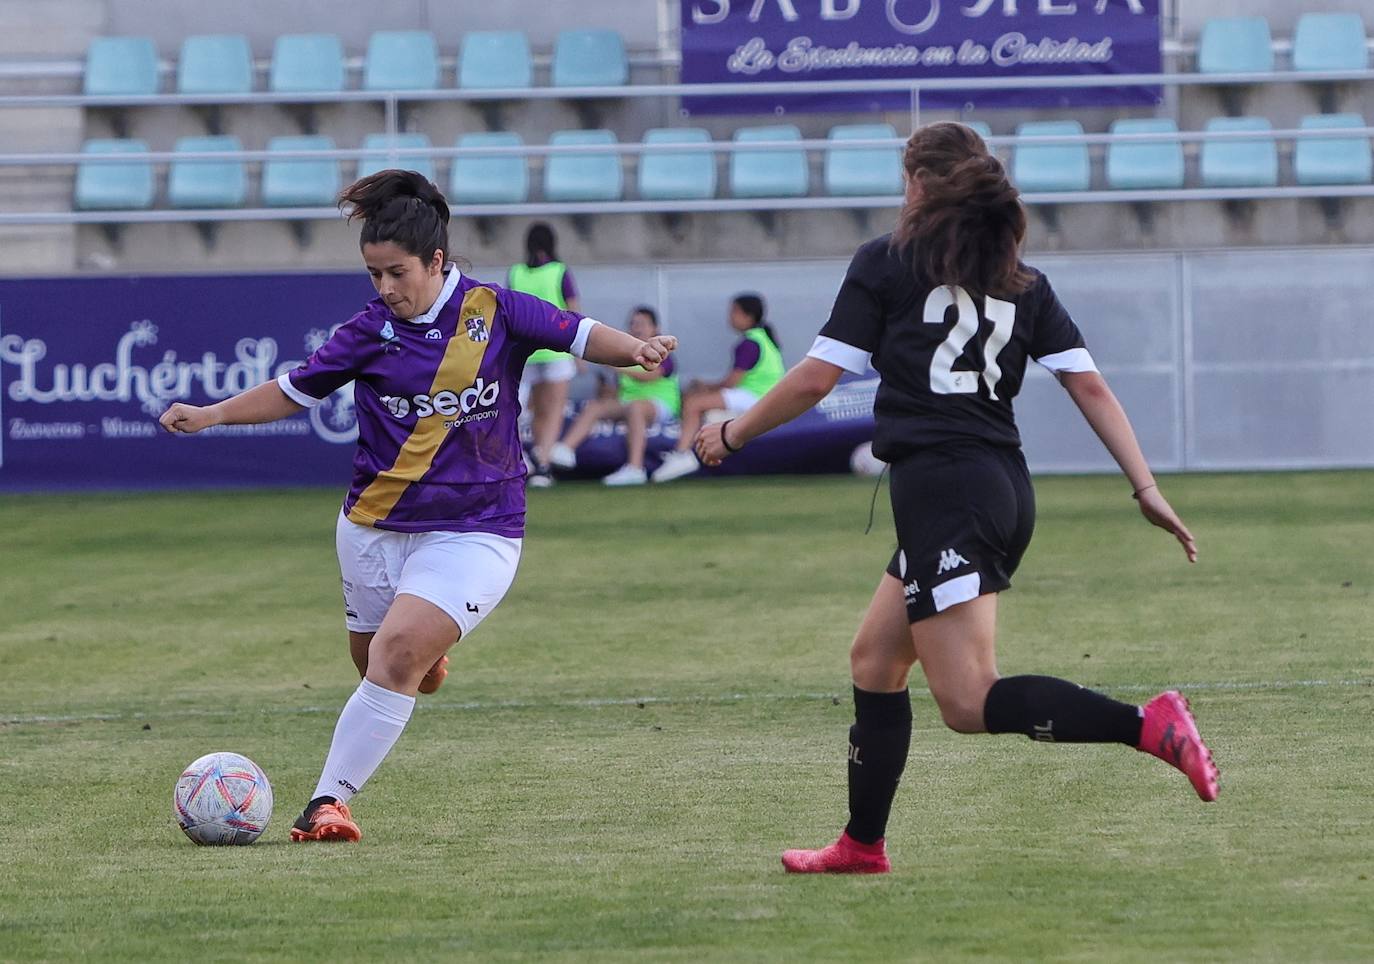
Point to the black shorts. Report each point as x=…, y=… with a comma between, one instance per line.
x=964, y=514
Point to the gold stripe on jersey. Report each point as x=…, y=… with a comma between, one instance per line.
x=458, y=369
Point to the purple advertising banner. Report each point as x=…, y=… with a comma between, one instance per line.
x=88, y=364
x=743, y=41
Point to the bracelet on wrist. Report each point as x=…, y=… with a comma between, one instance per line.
x=1136, y=494
x=725, y=441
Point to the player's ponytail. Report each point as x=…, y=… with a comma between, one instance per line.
x=402, y=207
x=753, y=308
x=966, y=224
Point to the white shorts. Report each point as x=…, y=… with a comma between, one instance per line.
x=463, y=573
x=662, y=413
x=738, y=399
x=558, y=370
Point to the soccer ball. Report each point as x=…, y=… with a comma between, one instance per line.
x=223, y=798
x=862, y=461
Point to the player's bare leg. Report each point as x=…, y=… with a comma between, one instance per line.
x=413, y=637
x=880, y=660
x=360, y=643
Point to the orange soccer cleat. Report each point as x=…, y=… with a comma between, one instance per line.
x=326, y=822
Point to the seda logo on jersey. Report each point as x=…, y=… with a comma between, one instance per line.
x=473, y=404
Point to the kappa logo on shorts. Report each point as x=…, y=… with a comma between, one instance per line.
x=949, y=559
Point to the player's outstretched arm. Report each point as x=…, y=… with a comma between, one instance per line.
x=262, y=403
x=1104, y=413
x=611, y=346
x=805, y=385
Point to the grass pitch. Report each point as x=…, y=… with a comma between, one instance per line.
x=659, y=707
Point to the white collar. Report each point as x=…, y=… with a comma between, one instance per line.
x=451, y=278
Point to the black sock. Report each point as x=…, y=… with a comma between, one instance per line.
x=878, y=745
x=1056, y=711
x=308, y=814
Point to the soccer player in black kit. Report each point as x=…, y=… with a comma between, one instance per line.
x=949, y=315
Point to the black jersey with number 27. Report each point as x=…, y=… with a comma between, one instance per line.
x=951, y=360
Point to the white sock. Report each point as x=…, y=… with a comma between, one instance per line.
x=368, y=727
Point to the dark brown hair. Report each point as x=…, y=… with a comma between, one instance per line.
x=967, y=225
x=402, y=207
x=752, y=305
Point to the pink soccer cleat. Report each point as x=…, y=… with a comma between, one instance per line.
x=1170, y=733
x=844, y=856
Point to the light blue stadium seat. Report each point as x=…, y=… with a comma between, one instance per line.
x=307, y=63
x=495, y=58
x=489, y=178
x=1330, y=41
x=984, y=131
x=1240, y=163
x=121, y=65
x=1145, y=165
x=856, y=171
x=114, y=186
x=379, y=161
x=1235, y=45
x=215, y=64
x=582, y=177
x=1051, y=167
x=300, y=183
x=590, y=58
x=401, y=60
x=769, y=173
x=668, y=176
x=207, y=184
x=1332, y=160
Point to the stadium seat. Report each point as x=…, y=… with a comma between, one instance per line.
x=1240, y=163
x=981, y=127
x=1330, y=41
x=667, y=176
x=856, y=171
x=1145, y=165
x=300, y=183
x=207, y=184
x=1051, y=167
x=495, y=58
x=590, y=58
x=1235, y=45
x=215, y=64
x=121, y=66
x=380, y=143
x=582, y=177
x=1332, y=160
x=306, y=63
x=401, y=60
x=114, y=186
x=769, y=173
x=489, y=178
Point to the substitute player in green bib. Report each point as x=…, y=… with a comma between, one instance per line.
x=640, y=399
x=757, y=366
x=544, y=386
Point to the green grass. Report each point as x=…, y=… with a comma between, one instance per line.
x=535, y=808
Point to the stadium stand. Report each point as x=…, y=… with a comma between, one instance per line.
x=590, y=58
x=1236, y=163
x=583, y=176
x=113, y=187
x=401, y=60
x=300, y=182
x=669, y=176
x=307, y=63
x=495, y=59
x=207, y=183
x=117, y=66
x=489, y=178
x=1332, y=160
x=1051, y=167
x=1145, y=165
x=219, y=64
x=857, y=171
x=379, y=158
x=768, y=173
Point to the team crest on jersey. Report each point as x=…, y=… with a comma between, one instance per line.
x=477, y=328
x=388, y=333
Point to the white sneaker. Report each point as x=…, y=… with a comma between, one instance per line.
x=675, y=466
x=627, y=475
x=562, y=457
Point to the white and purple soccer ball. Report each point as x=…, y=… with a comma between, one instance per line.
x=221, y=799
x=862, y=461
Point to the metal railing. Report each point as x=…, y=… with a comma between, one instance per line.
x=393, y=99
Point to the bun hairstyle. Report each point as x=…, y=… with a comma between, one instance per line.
x=966, y=226
x=402, y=207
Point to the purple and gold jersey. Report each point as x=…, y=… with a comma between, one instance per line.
x=437, y=403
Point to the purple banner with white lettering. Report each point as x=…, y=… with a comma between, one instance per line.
x=754, y=41
x=88, y=364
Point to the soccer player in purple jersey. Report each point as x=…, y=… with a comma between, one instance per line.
x=430, y=532
x=948, y=314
